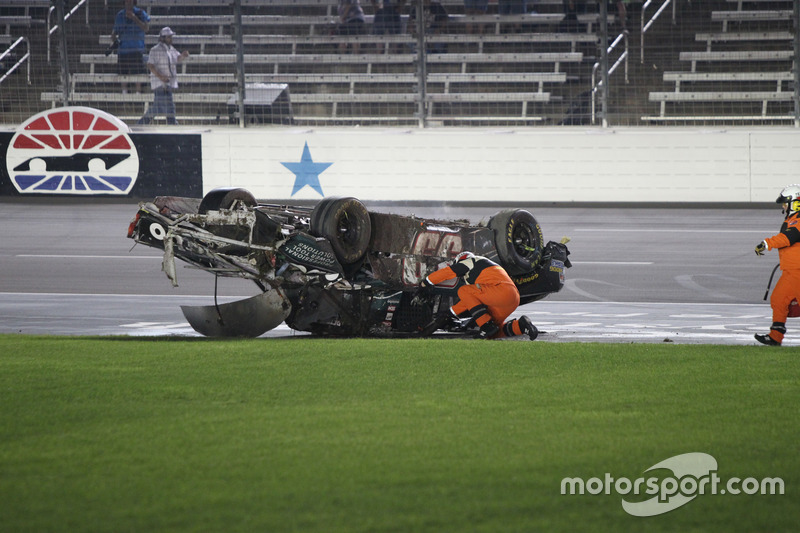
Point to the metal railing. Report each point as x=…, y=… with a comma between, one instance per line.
x=622, y=59
x=645, y=27
x=24, y=59
x=53, y=27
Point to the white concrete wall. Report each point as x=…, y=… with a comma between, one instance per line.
x=524, y=165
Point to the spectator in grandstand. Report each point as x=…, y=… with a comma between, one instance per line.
x=387, y=18
x=488, y=296
x=434, y=17
x=351, y=22
x=475, y=7
x=127, y=36
x=163, y=64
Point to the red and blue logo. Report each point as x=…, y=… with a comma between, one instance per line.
x=73, y=150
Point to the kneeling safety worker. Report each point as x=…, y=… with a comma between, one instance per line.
x=489, y=296
x=787, y=241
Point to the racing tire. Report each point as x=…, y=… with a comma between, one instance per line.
x=226, y=198
x=316, y=213
x=346, y=224
x=518, y=240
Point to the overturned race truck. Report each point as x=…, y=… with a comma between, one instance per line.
x=336, y=268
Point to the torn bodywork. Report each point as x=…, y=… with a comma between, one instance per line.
x=336, y=268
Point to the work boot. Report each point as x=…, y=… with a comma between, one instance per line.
x=527, y=327
x=488, y=330
x=775, y=336
x=766, y=339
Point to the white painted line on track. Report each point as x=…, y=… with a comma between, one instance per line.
x=653, y=322
x=159, y=329
x=166, y=325
x=643, y=304
x=53, y=256
x=637, y=263
x=159, y=257
x=559, y=321
x=131, y=296
x=654, y=230
x=537, y=304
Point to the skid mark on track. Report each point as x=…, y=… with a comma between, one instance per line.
x=571, y=285
x=688, y=282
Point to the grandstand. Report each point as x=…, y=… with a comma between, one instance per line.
x=715, y=62
x=743, y=73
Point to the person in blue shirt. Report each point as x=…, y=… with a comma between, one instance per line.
x=130, y=26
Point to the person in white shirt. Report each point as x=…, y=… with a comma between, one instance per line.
x=163, y=64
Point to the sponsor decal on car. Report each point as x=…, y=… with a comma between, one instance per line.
x=310, y=252
x=435, y=241
x=74, y=151
x=526, y=279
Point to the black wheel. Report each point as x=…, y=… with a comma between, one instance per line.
x=518, y=239
x=345, y=223
x=319, y=209
x=226, y=198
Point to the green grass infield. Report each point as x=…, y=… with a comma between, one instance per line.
x=351, y=435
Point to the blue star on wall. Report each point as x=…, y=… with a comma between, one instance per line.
x=307, y=172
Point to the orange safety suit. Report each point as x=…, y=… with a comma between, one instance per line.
x=488, y=295
x=788, y=287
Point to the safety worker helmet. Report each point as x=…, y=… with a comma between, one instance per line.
x=463, y=256
x=790, y=199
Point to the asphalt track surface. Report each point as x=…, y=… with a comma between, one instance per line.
x=640, y=274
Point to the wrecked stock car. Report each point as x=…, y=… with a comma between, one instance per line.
x=336, y=268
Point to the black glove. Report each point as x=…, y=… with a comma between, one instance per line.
x=761, y=248
x=423, y=292
x=425, y=286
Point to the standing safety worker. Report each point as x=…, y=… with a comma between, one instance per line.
x=489, y=296
x=787, y=241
